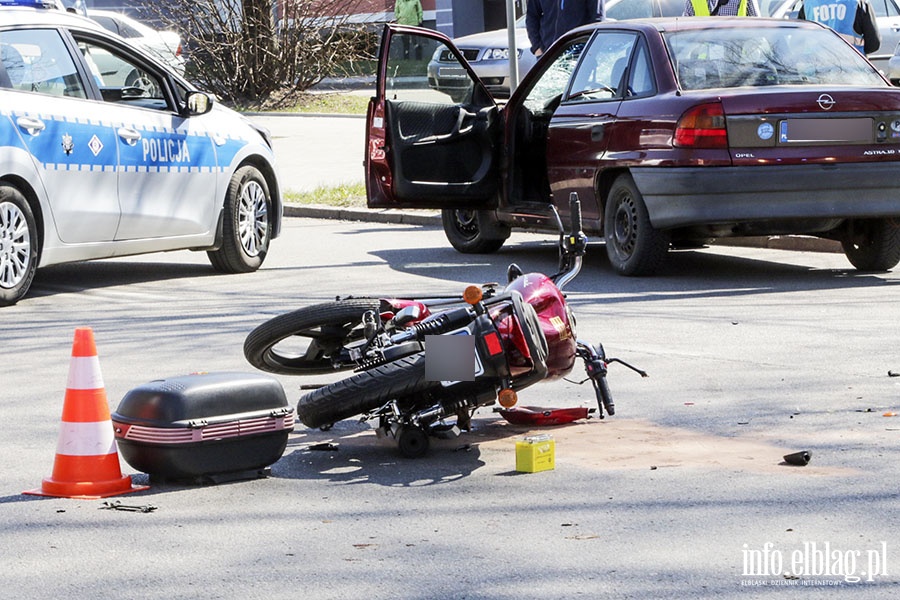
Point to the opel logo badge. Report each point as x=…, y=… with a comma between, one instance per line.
x=825, y=102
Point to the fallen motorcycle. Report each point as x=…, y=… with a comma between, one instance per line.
x=520, y=335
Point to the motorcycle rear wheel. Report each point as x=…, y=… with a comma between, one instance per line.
x=309, y=340
x=365, y=391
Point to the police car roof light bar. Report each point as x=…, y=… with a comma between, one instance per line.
x=29, y=3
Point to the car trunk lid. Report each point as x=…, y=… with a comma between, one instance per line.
x=822, y=125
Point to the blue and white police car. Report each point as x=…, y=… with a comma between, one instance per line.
x=106, y=152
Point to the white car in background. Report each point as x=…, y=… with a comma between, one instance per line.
x=163, y=45
x=488, y=52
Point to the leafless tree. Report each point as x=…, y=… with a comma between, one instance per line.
x=245, y=51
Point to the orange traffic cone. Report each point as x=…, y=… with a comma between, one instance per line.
x=87, y=461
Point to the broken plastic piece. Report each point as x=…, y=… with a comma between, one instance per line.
x=535, y=415
x=800, y=459
x=324, y=447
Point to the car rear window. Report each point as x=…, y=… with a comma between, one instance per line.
x=765, y=56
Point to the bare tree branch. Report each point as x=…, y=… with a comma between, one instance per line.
x=243, y=51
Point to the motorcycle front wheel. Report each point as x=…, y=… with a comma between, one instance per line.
x=365, y=391
x=309, y=340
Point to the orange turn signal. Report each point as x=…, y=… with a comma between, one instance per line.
x=507, y=398
x=473, y=294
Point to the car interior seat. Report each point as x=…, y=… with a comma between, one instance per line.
x=699, y=74
x=14, y=67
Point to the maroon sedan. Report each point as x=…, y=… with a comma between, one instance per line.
x=672, y=132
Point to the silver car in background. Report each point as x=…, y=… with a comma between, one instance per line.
x=488, y=52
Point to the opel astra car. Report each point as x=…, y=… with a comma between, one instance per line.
x=488, y=52
x=670, y=131
x=94, y=166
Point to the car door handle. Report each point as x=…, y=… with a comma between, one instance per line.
x=464, y=117
x=462, y=126
x=129, y=136
x=31, y=125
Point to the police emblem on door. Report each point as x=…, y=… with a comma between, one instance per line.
x=67, y=144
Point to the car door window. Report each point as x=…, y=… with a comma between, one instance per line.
x=601, y=72
x=421, y=69
x=641, y=81
x=39, y=61
x=884, y=8
x=123, y=79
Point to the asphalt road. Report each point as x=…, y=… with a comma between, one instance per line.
x=314, y=151
x=752, y=354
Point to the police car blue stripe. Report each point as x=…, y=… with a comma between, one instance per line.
x=86, y=144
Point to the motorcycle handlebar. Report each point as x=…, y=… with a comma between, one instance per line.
x=575, y=212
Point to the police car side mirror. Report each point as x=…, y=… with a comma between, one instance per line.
x=196, y=103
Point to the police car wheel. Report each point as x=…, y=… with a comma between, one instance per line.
x=246, y=229
x=18, y=245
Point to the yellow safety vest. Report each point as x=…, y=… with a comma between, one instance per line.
x=701, y=8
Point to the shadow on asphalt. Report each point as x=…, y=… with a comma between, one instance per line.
x=350, y=453
x=81, y=276
x=693, y=272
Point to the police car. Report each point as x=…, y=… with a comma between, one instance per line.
x=106, y=152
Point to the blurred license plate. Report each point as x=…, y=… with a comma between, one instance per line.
x=826, y=130
x=452, y=72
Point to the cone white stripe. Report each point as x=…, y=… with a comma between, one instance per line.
x=84, y=373
x=86, y=439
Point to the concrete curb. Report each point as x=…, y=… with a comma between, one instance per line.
x=431, y=218
x=422, y=217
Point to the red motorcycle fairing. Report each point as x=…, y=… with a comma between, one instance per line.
x=515, y=345
x=391, y=306
x=555, y=319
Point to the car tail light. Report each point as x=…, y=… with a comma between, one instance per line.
x=178, y=50
x=702, y=126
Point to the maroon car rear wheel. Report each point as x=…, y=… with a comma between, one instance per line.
x=873, y=244
x=633, y=245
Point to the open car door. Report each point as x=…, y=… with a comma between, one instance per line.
x=432, y=129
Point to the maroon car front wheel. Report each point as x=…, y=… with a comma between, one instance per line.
x=474, y=231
